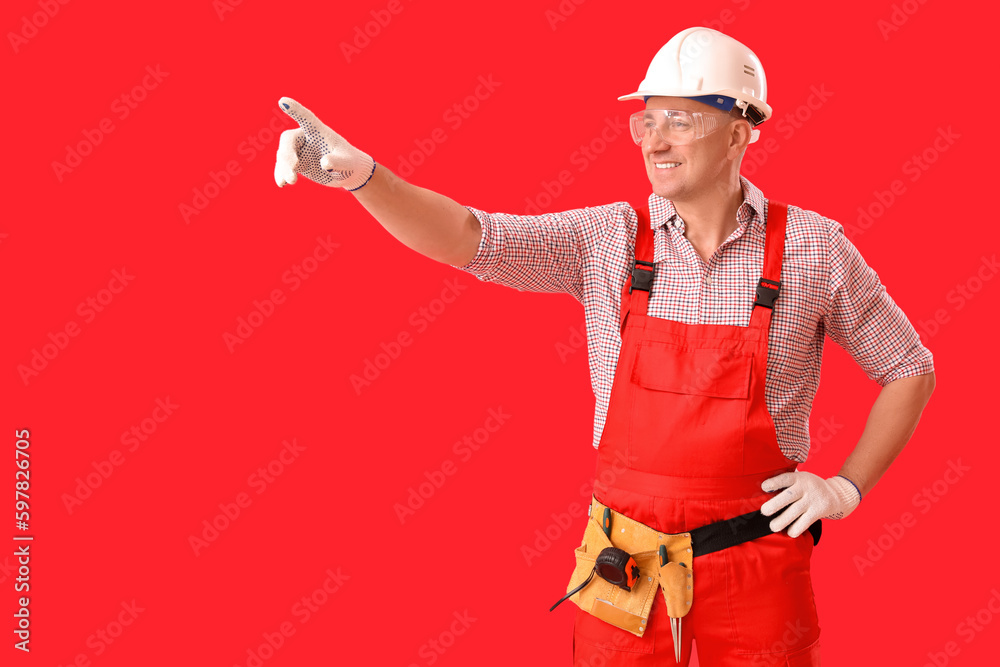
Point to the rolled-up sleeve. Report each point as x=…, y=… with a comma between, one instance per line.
x=540, y=253
x=862, y=318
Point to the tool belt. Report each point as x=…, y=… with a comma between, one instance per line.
x=674, y=573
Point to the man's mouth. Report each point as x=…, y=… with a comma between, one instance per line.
x=666, y=165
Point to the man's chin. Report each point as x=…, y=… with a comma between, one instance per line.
x=664, y=192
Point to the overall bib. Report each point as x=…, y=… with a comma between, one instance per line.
x=687, y=414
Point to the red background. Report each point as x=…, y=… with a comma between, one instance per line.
x=491, y=348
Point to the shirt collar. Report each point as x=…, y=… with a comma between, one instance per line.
x=750, y=215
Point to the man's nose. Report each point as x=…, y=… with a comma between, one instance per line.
x=654, y=141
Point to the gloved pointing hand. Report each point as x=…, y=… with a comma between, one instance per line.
x=810, y=497
x=319, y=153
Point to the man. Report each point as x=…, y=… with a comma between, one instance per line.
x=706, y=312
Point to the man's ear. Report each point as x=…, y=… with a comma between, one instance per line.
x=739, y=138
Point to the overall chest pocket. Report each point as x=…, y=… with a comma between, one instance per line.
x=718, y=373
x=689, y=409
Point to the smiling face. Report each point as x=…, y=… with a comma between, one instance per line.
x=688, y=172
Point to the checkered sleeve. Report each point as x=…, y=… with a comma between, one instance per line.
x=862, y=318
x=539, y=253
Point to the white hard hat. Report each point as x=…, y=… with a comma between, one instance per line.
x=711, y=67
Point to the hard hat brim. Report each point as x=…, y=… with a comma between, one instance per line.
x=640, y=94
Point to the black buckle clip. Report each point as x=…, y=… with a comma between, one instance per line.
x=641, y=279
x=767, y=292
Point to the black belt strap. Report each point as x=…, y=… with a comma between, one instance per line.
x=723, y=534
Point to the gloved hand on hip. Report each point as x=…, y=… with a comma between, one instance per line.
x=319, y=153
x=809, y=497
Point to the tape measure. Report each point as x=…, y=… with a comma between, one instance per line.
x=618, y=567
x=615, y=566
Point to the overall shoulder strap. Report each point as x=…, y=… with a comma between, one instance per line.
x=769, y=285
x=639, y=277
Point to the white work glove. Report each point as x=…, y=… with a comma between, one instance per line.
x=319, y=153
x=810, y=497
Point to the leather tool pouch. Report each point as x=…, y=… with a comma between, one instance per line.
x=677, y=582
x=628, y=610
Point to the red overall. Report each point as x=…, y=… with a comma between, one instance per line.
x=687, y=413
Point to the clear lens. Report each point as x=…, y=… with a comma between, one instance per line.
x=674, y=126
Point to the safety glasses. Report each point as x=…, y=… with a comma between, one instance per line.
x=674, y=126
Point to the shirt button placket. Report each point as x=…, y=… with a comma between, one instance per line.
x=705, y=298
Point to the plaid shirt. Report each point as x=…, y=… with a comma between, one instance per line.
x=826, y=288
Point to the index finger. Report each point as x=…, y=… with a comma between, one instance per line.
x=778, y=482
x=305, y=118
